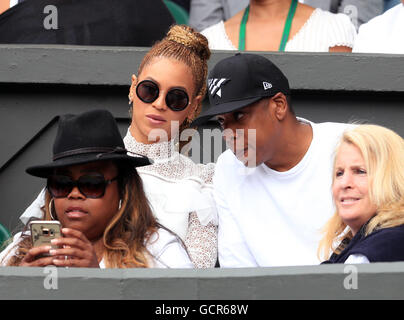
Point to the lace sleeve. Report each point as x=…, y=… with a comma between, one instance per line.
x=201, y=242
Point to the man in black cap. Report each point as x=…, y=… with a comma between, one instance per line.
x=273, y=187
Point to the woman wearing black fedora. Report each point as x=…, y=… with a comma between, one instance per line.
x=94, y=191
x=165, y=96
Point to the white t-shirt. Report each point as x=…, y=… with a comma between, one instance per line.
x=321, y=31
x=382, y=34
x=270, y=218
x=165, y=248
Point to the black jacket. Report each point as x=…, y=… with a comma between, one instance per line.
x=382, y=245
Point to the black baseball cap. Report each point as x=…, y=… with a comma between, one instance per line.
x=240, y=80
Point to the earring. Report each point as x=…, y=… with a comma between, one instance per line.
x=120, y=204
x=51, y=210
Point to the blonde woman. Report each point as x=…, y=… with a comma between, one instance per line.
x=368, y=192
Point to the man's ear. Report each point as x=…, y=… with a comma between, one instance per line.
x=281, y=105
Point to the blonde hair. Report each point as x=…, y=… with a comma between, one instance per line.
x=184, y=44
x=127, y=233
x=383, y=152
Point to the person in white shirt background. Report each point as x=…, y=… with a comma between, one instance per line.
x=272, y=188
x=283, y=26
x=205, y=13
x=382, y=34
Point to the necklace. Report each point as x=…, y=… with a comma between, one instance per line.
x=286, y=29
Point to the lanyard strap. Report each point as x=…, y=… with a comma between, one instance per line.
x=288, y=25
x=241, y=39
x=286, y=29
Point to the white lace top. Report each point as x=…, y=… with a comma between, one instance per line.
x=323, y=30
x=180, y=194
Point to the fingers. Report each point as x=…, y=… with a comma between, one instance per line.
x=73, y=238
x=76, y=247
x=72, y=247
x=75, y=258
x=69, y=252
x=41, y=262
x=73, y=250
x=75, y=263
x=35, y=251
x=35, y=257
x=69, y=242
x=67, y=232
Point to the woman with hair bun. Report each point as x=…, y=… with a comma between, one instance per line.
x=166, y=95
x=368, y=192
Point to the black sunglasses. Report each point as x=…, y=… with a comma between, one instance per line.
x=148, y=91
x=90, y=185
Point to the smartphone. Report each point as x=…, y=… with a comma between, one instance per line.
x=43, y=231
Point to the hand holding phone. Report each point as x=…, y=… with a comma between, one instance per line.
x=42, y=233
x=53, y=245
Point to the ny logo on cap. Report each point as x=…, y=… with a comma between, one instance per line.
x=214, y=85
x=267, y=85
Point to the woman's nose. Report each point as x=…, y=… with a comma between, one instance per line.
x=346, y=180
x=75, y=194
x=160, y=102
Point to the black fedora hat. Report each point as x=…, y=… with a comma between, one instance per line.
x=87, y=137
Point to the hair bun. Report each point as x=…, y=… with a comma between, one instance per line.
x=190, y=38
